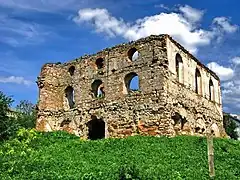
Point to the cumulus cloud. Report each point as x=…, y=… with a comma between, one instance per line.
x=15, y=80
x=224, y=24
x=225, y=73
x=182, y=26
x=103, y=21
x=192, y=14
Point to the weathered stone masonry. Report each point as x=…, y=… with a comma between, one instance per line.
x=91, y=96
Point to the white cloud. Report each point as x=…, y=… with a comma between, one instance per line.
x=225, y=73
x=103, y=21
x=231, y=95
x=18, y=33
x=182, y=26
x=224, y=24
x=231, y=89
x=42, y=5
x=162, y=6
x=236, y=60
x=10, y=41
x=192, y=14
x=230, y=84
x=16, y=80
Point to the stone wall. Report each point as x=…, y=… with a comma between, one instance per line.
x=91, y=97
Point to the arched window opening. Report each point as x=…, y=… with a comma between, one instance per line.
x=100, y=63
x=69, y=96
x=71, y=70
x=96, y=128
x=133, y=54
x=131, y=82
x=179, y=67
x=198, y=82
x=211, y=90
x=98, y=89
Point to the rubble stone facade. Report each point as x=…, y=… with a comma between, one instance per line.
x=92, y=96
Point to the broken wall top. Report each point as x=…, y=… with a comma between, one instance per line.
x=124, y=49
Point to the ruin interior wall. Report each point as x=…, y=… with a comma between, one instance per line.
x=149, y=111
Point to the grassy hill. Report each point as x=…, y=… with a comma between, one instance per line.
x=59, y=155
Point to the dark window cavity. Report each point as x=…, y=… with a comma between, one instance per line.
x=179, y=67
x=133, y=54
x=98, y=89
x=100, y=63
x=211, y=90
x=71, y=70
x=198, y=82
x=69, y=95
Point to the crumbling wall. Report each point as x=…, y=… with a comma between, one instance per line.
x=101, y=97
x=199, y=112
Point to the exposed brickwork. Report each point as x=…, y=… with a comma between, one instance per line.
x=166, y=103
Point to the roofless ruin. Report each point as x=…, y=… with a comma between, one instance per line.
x=93, y=98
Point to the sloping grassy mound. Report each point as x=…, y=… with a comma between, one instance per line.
x=62, y=156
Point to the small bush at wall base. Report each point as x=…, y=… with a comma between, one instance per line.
x=129, y=172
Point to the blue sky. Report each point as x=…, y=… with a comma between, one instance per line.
x=34, y=32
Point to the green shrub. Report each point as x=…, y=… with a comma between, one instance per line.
x=59, y=155
x=14, y=152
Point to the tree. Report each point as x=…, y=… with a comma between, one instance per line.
x=26, y=114
x=11, y=120
x=6, y=123
x=230, y=126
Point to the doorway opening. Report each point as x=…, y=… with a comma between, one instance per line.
x=96, y=128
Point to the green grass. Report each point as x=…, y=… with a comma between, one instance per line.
x=62, y=156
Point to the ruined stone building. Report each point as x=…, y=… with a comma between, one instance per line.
x=93, y=98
